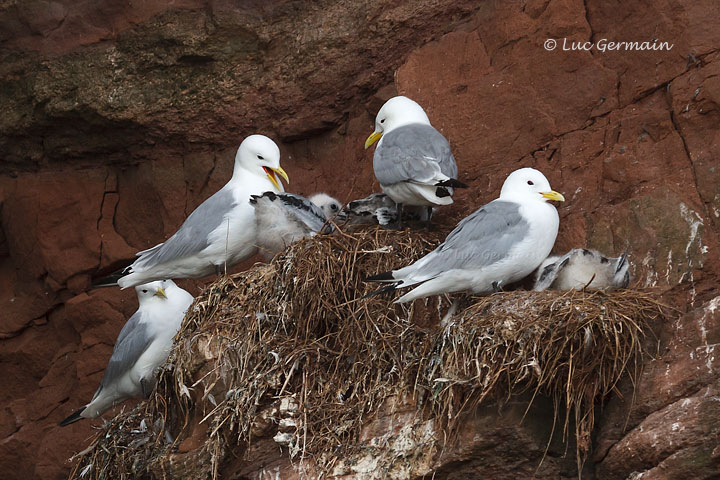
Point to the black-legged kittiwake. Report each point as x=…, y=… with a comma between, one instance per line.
x=142, y=346
x=285, y=218
x=221, y=231
x=582, y=268
x=498, y=244
x=412, y=161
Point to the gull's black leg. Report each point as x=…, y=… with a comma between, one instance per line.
x=147, y=387
x=428, y=218
x=220, y=270
x=399, y=223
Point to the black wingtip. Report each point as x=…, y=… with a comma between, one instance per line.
x=270, y=195
x=72, y=418
x=442, y=192
x=380, y=291
x=621, y=262
x=381, y=277
x=109, y=281
x=452, y=183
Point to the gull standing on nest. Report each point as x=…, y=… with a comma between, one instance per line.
x=221, y=231
x=412, y=161
x=142, y=346
x=498, y=244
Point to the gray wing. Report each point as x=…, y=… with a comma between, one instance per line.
x=413, y=153
x=296, y=209
x=192, y=236
x=549, y=273
x=132, y=341
x=304, y=211
x=376, y=208
x=621, y=278
x=484, y=237
x=385, y=216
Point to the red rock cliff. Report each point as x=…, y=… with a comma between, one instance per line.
x=118, y=119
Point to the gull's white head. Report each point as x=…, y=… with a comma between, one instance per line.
x=327, y=204
x=528, y=184
x=154, y=291
x=261, y=156
x=396, y=112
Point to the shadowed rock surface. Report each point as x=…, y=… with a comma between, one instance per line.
x=118, y=120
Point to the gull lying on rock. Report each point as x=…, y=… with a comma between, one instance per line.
x=142, y=346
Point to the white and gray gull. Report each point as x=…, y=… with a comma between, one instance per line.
x=284, y=218
x=582, y=268
x=500, y=243
x=142, y=346
x=412, y=161
x=221, y=231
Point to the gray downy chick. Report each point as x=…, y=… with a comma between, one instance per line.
x=284, y=218
x=378, y=209
x=582, y=268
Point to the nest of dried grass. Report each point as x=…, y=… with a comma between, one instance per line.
x=295, y=329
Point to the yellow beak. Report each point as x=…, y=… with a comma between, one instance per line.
x=160, y=293
x=372, y=139
x=270, y=172
x=553, y=195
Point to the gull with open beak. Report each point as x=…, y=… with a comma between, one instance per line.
x=500, y=243
x=142, y=346
x=220, y=232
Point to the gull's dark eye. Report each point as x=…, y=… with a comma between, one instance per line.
x=382, y=121
x=144, y=291
x=333, y=207
x=530, y=182
x=260, y=157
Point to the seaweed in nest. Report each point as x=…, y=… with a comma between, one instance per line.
x=291, y=341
